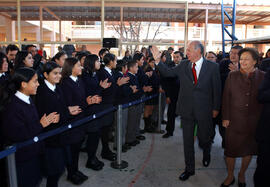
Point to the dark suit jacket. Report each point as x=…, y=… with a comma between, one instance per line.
x=265, y=64
x=196, y=101
x=263, y=129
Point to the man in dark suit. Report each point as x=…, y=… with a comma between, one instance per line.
x=198, y=101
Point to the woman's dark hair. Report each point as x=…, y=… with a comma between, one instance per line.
x=108, y=58
x=163, y=54
x=58, y=55
x=68, y=66
x=49, y=66
x=148, y=67
x=2, y=56
x=254, y=53
x=102, y=51
x=211, y=52
x=80, y=54
x=120, y=64
x=266, y=56
x=137, y=56
x=9, y=88
x=89, y=63
x=20, y=57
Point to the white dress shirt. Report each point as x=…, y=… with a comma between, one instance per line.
x=108, y=70
x=198, y=66
x=2, y=74
x=50, y=86
x=23, y=97
x=73, y=78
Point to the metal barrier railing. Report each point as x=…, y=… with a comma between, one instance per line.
x=118, y=164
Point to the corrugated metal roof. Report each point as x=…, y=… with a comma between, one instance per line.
x=140, y=13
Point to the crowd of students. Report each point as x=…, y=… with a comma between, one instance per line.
x=38, y=95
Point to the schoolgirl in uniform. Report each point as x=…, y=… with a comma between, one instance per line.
x=3, y=68
x=93, y=89
x=60, y=58
x=49, y=99
x=154, y=82
x=74, y=95
x=20, y=122
x=23, y=59
x=108, y=97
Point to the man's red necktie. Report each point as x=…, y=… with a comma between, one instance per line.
x=194, y=73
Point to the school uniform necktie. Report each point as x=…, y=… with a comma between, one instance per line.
x=194, y=73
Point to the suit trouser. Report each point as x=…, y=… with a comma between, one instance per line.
x=124, y=125
x=134, y=118
x=171, y=116
x=204, y=133
x=262, y=175
x=221, y=129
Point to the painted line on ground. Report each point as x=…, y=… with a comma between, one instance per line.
x=133, y=181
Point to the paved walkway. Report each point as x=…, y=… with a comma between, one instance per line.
x=158, y=162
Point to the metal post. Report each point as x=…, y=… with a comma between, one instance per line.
x=159, y=114
x=119, y=163
x=205, y=30
x=19, y=22
x=11, y=169
x=102, y=19
x=41, y=23
x=186, y=28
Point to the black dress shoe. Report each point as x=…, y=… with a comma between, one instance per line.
x=242, y=184
x=127, y=147
x=109, y=156
x=142, y=131
x=223, y=185
x=140, y=137
x=134, y=143
x=95, y=164
x=167, y=135
x=75, y=179
x=206, y=160
x=80, y=174
x=185, y=175
x=164, y=122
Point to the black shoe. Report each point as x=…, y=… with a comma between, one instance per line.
x=223, y=185
x=80, y=174
x=240, y=184
x=109, y=156
x=95, y=164
x=206, y=160
x=142, y=131
x=75, y=179
x=167, y=135
x=140, y=137
x=164, y=122
x=83, y=149
x=127, y=147
x=134, y=143
x=185, y=175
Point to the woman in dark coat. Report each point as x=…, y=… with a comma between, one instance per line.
x=240, y=114
x=262, y=175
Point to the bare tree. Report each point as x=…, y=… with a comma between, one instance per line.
x=132, y=32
